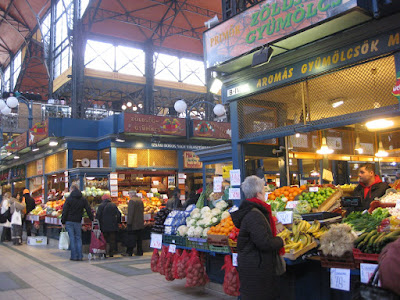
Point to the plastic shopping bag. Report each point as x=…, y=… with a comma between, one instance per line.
x=63, y=241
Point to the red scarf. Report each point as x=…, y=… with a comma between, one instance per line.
x=270, y=217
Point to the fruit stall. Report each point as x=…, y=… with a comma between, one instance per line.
x=316, y=241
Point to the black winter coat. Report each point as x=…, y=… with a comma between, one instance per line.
x=73, y=208
x=257, y=250
x=30, y=203
x=377, y=191
x=109, y=216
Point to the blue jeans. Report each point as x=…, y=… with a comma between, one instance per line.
x=75, y=238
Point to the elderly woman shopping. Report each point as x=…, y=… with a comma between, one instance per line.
x=259, y=263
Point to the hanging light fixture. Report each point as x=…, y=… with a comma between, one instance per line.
x=358, y=147
x=129, y=104
x=324, y=148
x=381, y=151
x=216, y=86
x=379, y=124
x=314, y=173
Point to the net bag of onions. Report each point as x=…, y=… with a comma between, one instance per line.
x=177, y=255
x=161, y=260
x=195, y=271
x=169, y=275
x=154, y=260
x=231, y=279
x=180, y=271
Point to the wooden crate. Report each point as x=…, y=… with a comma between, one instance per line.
x=294, y=255
x=328, y=203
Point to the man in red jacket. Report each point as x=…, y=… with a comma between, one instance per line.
x=370, y=186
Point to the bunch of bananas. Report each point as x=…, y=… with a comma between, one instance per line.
x=301, y=235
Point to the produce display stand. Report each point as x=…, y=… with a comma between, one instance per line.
x=330, y=202
x=361, y=257
x=294, y=255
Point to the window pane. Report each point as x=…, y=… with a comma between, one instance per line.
x=99, y=56
x=192, y=71
x=130, y=61
x=84, y=5
x=167, y=67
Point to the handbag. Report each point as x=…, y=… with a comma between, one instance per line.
x=63, y=241
x=371, y=290
x=6, y=216
x=280, y=265
x=16, y=218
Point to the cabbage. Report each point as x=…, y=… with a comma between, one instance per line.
x=87, y=189
x=93, y=188
x=198, y=231
x=100, y=192
x=94, y=194
x=107, y=192
x=205, y=209
x=302, y=207
x=195, y=211
x=83, y=194
x=215, y=212
x=225, y=214
x=66, y=195
x=182, y=230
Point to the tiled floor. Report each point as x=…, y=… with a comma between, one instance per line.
x=44, y=272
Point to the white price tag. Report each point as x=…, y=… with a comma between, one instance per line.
x=181, y=176
x=140, y=195
x=366, y=271
x=266, y=195
x=234, y=259
x=234, y=193
x=156, y=241
x=114, y=182
x=154, y=190
x=113, y=176
x=313, y=189
x=172, y=248
x=125, y=193
x=291, y=204
x=235, y=177
x=217, y=188
x=340, y=279
x=285, y=217
x=114, y=194
x=149, y=195
x=113, y=188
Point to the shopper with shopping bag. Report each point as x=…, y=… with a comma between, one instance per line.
x=6, y=212
x=63, y=241
x=16, y=207
x=72, y=220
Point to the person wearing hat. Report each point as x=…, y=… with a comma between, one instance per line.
x=109, y=217
x=30, y=205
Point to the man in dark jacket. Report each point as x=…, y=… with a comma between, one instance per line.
x=109, y=217
x=72, y=220
x=370, y=186
x=135, y=224
x=30, y=205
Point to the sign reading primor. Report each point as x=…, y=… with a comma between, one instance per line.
x=266, y=22
x=137, y=123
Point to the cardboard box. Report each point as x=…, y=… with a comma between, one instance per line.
x=36, y=240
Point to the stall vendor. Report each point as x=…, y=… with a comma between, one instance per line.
x=370, y=186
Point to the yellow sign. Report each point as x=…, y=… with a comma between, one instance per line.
x=132, y=160
x=225, y=171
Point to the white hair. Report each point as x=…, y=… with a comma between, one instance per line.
x=252, y=185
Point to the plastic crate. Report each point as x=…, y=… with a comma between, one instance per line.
x=233, y=246
x=361, y=256
x=220, y=249
x=197, y=243
x=217, y=240
x=344, y=262
x=174, y=239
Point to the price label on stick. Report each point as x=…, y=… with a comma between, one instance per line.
x=172, y=248
x=156, y=241
x=234, y=193
x=313, y=189
x=340, y=279
x=366, y=271
x=291, y=204
x=285, y=217
x=234, y=259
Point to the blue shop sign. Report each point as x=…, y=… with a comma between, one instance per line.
x=341, y=57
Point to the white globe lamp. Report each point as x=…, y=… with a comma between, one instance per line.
x=6, y=110
x=219, y=110
x=2, y=104
x=12, y=102
x=180, y=106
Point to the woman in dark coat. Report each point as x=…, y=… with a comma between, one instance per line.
x=109, y=217
x=257, y=245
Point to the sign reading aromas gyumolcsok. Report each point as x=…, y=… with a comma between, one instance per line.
x=266, y=22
